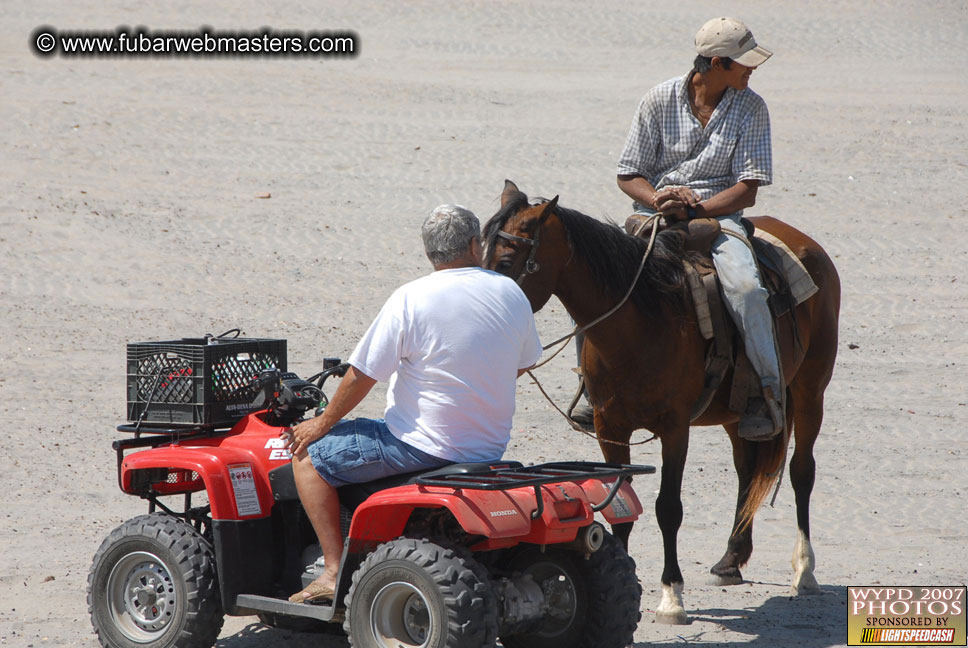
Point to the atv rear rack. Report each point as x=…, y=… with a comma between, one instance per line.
x=535, y=476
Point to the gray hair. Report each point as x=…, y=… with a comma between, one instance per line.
x=447, y=233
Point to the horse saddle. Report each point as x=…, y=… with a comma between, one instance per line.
x=786, y=280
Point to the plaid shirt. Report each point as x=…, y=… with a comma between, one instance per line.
x=668, y=146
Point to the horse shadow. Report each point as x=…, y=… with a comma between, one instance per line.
x=818, y=621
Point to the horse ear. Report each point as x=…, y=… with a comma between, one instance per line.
x=548, y=208
x=510, y=191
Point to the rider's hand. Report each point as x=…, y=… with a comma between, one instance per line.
x=670, y=198
x=299, y=437
x=670, y=207
x=672, y=202
x=687, y=196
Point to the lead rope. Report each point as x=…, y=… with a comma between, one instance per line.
x=579, y=428
x=564, y=340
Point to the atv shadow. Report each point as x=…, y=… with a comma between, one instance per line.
x=818, y=621
x=263, y=636
x=808, y=621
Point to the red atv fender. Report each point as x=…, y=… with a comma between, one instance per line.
x=233, y=468
x=237, y=490
x=503, y=517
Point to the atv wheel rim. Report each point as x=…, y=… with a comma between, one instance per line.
x=400, y=616
x=141, y=596
x=560, y=596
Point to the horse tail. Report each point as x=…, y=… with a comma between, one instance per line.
x=770, y=456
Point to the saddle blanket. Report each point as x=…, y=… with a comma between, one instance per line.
x=801, y=283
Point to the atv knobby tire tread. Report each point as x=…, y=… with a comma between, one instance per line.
x=484, y=589
x=614, y=597
x=471, y=614
x=192, y=559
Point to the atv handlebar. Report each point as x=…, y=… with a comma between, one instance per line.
x=288, y=397
x=331, y=367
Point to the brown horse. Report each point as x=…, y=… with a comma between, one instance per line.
x=644, y=364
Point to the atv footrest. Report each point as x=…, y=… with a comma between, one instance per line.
x=322, y=612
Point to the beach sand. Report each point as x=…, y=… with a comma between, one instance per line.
x=130, y=210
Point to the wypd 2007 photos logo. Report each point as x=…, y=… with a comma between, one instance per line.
x=911, y=616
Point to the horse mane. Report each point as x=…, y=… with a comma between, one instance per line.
x=613, y=257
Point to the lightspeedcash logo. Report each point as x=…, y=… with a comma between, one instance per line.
x=896, y=616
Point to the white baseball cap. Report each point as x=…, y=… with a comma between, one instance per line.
x=729, y=37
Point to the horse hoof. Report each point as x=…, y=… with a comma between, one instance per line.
x=805, y=589
x=726, y=579
x=727, y=574
x=671, y=611
x=804, y=582
x=673, y=617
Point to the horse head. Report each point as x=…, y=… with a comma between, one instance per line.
x=523, y=241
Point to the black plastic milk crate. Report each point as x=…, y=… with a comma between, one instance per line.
x=196, y=381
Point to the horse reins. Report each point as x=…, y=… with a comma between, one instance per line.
x=531, y=266
x=581, y=329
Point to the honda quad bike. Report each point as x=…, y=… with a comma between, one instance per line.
x=458, y=556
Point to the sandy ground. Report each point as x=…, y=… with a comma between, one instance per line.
x=129, y=211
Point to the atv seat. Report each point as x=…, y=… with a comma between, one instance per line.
x=352, y=495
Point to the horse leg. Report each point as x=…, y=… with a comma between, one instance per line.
x=621, y=454
x=668, y=512
x=740, y=544
x=808, y=415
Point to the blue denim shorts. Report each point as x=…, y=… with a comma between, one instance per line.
x=361, y=450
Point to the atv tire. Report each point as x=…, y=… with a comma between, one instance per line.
x=414, y=592
x=153, y=584
x=594, y=602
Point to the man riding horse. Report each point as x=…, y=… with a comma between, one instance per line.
x=699, y=147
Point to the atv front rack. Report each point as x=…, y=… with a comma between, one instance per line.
x=497, y=479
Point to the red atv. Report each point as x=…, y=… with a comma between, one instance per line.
x=457, y=556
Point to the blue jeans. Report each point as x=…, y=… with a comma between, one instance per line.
x=746, y=301
x=362, y=450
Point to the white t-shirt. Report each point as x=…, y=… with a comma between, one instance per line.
x=451, y=344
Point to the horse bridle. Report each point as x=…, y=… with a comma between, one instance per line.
x=530, y=265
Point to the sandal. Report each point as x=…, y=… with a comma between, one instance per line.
x=314, y=592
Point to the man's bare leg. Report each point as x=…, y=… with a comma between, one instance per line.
x=321, y=503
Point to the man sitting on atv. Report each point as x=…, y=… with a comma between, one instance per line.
x=451, y=344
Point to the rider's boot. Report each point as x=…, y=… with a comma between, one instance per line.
x=584, y=415
x=763, y=419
